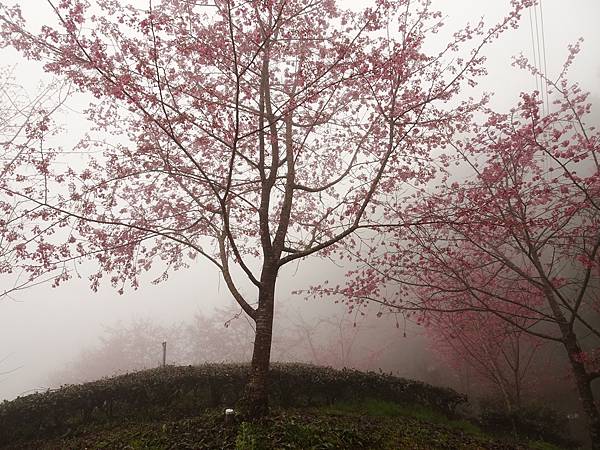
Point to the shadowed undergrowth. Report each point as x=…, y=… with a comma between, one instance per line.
x=181, y=408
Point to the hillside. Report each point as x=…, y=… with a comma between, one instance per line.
x=182, y=408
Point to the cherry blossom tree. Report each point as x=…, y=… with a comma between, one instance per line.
x=516, y=239
x=252, y=134
x=337, y=340
x=503, y=359
x=25, y=126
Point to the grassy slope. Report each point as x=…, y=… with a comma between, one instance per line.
x=356, y=424
x=313, y=428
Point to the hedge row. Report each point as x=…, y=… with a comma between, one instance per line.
x=531, y=422
x=175, y=392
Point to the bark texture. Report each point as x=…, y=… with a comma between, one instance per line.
x=255, y=401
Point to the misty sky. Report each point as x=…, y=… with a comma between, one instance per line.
x=41, y=328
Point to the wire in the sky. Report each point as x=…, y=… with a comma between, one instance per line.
x=544, y=55
x=533, y=46
x=539, y=57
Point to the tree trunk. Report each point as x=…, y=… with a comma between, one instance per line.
x=584, y=388
x=255, y=400
x=582, y=378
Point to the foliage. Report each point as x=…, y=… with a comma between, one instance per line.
x=301, y=429
x=250, y=437
x=290, y=429
x=498, y=356
x=530, y=422
x=184, y=391
x=383, y=408
x=219, y=112
x=540, y=445
x=25, y=122
x=251, y=134
x=516, y=237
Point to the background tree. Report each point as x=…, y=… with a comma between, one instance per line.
x=517, y=239
x=225, y=335
x=252, y=134
x=337, y=340
x=122, y=348
x=502, y=359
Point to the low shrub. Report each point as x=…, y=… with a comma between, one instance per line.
x=532, y=422
x=176, y=392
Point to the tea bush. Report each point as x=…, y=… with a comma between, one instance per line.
x=531, y=422
x=174, y=392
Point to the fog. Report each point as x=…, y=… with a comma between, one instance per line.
x=44, y=330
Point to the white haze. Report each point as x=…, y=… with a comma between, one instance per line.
x=42, y=329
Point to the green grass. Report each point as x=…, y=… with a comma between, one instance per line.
x=374, y=425
x=381, y=408
x=250, y=437
x=297, y=432
x=540, y=445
